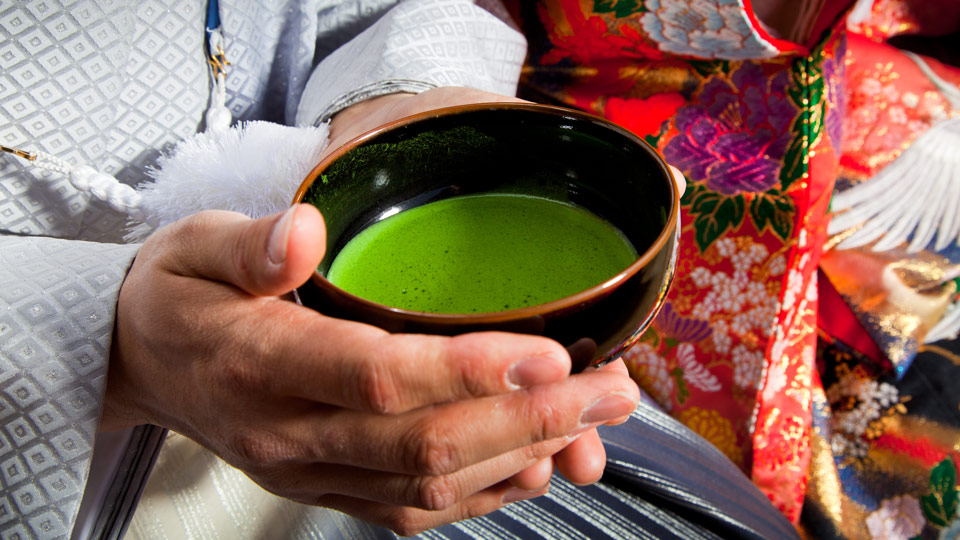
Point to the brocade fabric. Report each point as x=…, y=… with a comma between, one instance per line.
x=766, y=131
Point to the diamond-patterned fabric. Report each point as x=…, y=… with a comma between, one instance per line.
x=414, y=47
x=55, y=333
x=112, y=84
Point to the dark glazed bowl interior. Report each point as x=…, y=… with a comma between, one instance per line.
x=526, y=149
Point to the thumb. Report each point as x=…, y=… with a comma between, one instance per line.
x=264, y=257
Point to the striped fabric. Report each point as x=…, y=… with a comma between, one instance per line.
x=662, y=481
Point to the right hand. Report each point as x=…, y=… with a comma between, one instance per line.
x=406, y=431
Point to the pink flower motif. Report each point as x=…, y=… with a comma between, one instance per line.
x=693, y=372
x=898, y=518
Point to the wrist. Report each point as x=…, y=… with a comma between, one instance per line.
x=363, y=116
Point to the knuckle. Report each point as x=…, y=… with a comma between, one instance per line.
x=239, y=260
x=377, y=387
x=186, y=231
x=186, y=228
x=404, y=522
x=475, y=509
x=241, y=376
x=431, y=453
x=544, y=416
x=257, y=449
x=474, y=360
x=435, y=492
x=276, y=482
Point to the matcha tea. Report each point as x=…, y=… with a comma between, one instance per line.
x=481, y=253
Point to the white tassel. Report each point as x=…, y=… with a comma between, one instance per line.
x=253, y=168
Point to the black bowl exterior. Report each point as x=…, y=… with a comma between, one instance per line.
x=542, y=151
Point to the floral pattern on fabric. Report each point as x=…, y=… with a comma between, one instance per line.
x=736, y=136
x=742, y=133
x=885, y=450
x=897, y=517
x=705, y=29
x=890, y=102
x=736, y=352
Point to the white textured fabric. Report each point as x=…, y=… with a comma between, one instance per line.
x=83, y=81
x=418, y=45
x=114, y=84
x=55, y=333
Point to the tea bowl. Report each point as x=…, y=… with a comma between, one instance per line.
x=515, y=148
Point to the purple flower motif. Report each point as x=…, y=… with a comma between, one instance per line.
x=737, y=133
x=833, y=77
x=682, y=328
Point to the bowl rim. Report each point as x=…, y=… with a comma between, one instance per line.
x=560, y=304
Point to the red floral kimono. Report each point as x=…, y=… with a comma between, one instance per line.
x=786, y=341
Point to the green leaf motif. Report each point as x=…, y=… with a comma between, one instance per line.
x=715, y=214
x=620, y=8
x=691, y=193
x=943, y=477
x=773, y=210
x=652, y=337
x=806, y=91
x=940, y=505
x=708, y=68
x=682, y=392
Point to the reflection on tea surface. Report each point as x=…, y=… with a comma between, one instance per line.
x=481, y=253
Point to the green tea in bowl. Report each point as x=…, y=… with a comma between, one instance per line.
x=481, y=253
x=508, y=217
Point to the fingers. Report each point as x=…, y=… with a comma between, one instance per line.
x=407, y=521
x=617, y=366
x=265, y=257
x=395, y=373
x=308, y=482
x=679, y=180
x=534, y=477
x=443, y=439
x=583, y=461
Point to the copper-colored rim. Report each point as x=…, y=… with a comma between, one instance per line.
x=524, y=312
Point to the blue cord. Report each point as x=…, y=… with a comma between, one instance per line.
x=213, y=15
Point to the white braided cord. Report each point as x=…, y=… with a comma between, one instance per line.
x=104, y=187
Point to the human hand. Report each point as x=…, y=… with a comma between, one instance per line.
x=406, y=431
x=583, y=461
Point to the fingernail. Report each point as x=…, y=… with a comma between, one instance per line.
x=576, y=434
x=607, y=408
x=515, y=494
x=533, y=370
x=280, y=236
